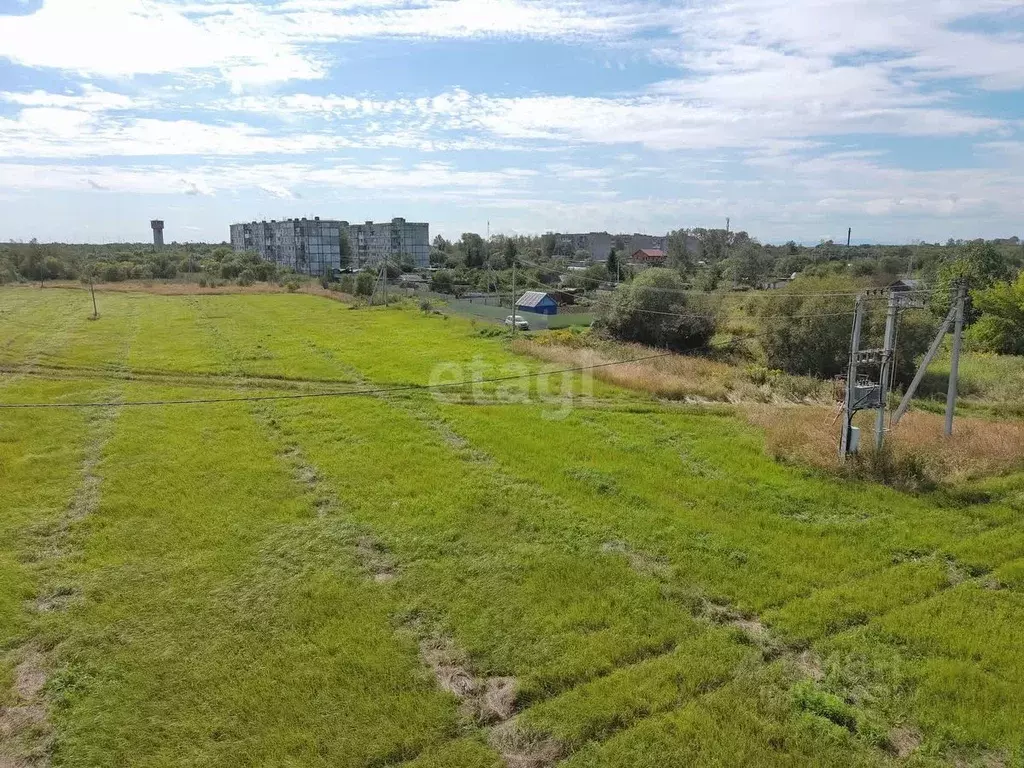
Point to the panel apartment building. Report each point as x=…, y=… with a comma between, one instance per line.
x=313, y=246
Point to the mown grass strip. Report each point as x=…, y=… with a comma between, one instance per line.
x=834, y=609
x=223, y=621
x=40, y=460
x=751, y=721
x=511, y=574
x=596, y=709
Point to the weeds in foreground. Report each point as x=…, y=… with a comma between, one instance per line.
x=916, y=456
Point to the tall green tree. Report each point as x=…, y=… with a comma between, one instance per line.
x=978, y=264
x=678, y=254
x=474, y=249
x=750, y=265
x=1001, y=327
x=509, y=251
x=612, y=264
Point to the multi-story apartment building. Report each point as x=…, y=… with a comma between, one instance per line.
x=314, y=246
x=597, y=244
x=397, y=239
x=309, y=246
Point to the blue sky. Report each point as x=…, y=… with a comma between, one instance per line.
x=903, y=119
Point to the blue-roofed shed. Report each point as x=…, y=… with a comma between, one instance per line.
x=538, y=302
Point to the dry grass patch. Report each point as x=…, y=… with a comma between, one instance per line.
x=916, y=452
x=680, y=377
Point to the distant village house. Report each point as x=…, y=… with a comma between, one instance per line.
x=648, y=257
x=538, y=302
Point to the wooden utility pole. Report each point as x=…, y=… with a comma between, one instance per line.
x=92, y=289
x=954, y=361
x=885, y=373
x=851, y=379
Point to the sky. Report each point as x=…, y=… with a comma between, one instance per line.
x=903, y=119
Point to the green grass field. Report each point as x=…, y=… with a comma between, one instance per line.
x=457, y=581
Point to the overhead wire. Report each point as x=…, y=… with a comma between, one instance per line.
x=334, y=393
x=687, y=316
x=721, y=293
x=361, y=392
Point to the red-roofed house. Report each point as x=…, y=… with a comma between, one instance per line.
x=649, y=256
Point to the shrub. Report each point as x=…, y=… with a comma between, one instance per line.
x=654, y=309
x=807, y=334
x=246, y=277
x=904, y=470
x=807, y=329
x=1001, y=327
x=292, y=286
x=425, y=306
x=760, y=374
x=443, y=281
x=364, y=284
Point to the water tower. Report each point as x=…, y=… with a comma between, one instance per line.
x=158, y=233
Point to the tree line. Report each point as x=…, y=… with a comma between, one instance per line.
x=805, y=327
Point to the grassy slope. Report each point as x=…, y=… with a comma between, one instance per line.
x=499, y=522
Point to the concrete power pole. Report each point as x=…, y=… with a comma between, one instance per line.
x=885, y=375
x=929, y=356
x=851, y=380
x=514, y=297
x=954, y=361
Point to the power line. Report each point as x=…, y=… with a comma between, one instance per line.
x=360, y=392
x=722, y=293
x=606, y=303
x=342, y=393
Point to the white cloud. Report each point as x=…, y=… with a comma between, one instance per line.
x=92, y=99
x=253, y=44
x=915, y=36
x=128, y=37
x=279, y=179
x=754, y=110
x=71, y=133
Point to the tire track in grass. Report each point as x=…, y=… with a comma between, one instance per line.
x=804, y=664
x=25, y=730
x=542, y=748
x=25, y=727
x=529, y=747
x=168, y=378
x=486, y=703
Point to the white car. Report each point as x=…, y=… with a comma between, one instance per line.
x=520, y=323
